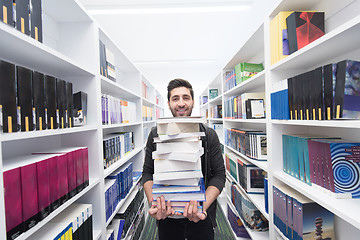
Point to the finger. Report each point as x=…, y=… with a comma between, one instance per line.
x=186, y=210
x=168, y=209
x=163, y=205
x=190, y=209
x=201, y=216
x=194, y=208
x=158, y=203
x=152, y=210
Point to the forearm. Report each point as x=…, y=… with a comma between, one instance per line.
x=148, y=190
x=211, y=194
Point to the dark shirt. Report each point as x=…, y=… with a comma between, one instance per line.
x=212, y=163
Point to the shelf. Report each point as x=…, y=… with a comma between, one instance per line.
x=280, y=233
x=127, y=198
x=37, y=56
x=318, y=51
x=107, y=126
x=261, y=164
x=133, y=222
x=28, y=233
x=346, y=209
x=257, y=199
x=114, y=89
x=97, y=235
x=121, y=161
x=148, y=122
x=5, y=137
x=253, y=234
x=215, y=100
x=204, y=105
x=256, y=82
x=322, y=123
x=147, y=102
x=262, y=120
x=215, y=119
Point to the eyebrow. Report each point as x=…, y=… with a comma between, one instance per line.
x=184, y=95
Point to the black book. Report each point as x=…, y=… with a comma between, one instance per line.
x=328, y=90
x=50, y=99
x=306, y=92
x=36, y=20
x=102, y=67
x=61, y=102
x=6, y=12
x=255, y=108
x=80, y=108
x=22, y=16
x=291, y=97
x=316, y=93
x=296, y=98
x=38, y=84
x=69, y=104
x=24, y=96
x=8, y=98
x=300, y=96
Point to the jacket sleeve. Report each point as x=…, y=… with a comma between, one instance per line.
x=148, y=167
x=217, y=168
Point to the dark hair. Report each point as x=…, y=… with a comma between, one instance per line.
x=178, y=82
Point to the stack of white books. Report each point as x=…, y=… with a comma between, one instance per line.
x=177, y=162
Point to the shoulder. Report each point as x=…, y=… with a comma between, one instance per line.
x=210, y=133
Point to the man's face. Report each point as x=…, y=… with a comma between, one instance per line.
x=181, y=102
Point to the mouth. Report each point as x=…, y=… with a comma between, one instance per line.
x=181, y=111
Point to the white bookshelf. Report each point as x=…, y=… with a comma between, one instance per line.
x=342, y=26
x=70, y=51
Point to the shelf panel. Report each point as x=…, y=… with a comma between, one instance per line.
x=215, y=100
x=256, y=82
x=346, y=209
x=108, y=126
x=257, y=199
x=261, y=164
x=97, y=235
x=318, y=51
x=37, y=56
x=215, y=119
x=148, y=122
x=204, y=105
x=318, y=123
x=148, y=103
x=120, y=162
x=282, y=236
x=262, y=120
x=28, y=233
x=253, y=234
x=127, y=198
x=45, y=133
x=116, y=90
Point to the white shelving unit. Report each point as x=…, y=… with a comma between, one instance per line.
x=70, y=51
x=342, y=26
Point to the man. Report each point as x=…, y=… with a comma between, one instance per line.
x=191, y=224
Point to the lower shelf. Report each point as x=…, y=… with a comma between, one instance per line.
x=97, y=235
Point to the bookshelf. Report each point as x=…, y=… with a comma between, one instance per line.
x=342, y=26
x=70, y=51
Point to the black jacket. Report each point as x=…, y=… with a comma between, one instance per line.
x=212, y=163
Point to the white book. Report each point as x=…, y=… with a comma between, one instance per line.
x=177, y=175
x=177, y=125
x=185, y=181
x=173, y=188
x=165, y=165
x=178, y=136
x=179, y=147
x=189, y=157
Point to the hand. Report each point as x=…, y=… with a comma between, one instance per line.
x=191, y=212
x=162, y=210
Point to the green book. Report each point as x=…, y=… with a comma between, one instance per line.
x=249, y=70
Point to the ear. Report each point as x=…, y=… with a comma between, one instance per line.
x=168, y=104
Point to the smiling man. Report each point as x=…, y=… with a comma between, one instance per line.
x=191, y=224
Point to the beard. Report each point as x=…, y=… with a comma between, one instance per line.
x=174, y=112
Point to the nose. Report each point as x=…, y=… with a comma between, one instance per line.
x=181, y=102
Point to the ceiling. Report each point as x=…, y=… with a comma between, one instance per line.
x=190, y=39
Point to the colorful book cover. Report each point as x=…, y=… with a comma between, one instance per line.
x=250, y=69
x=347, y=90
x=304, y=28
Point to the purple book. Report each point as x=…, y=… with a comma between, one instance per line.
x=29, y=195
x=79, y=169
x=54, y=183
x=63, y=178
x=13, y=203
x=43, y=185
x=85, y=168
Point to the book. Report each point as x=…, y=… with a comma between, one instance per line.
x=179, y=156
x=176, y=125
x=250, y=69
x=110, y=64
x=69, y=112
x=51, y=104
x=249, y=176
x=329, y=78
x=255, y=108
x=21, y=16
x=6, y=14
x=8, y=102
x=36, y=20
x=38, y=91
x=61, y=102
x=25, y=100
x=178, y=136
x=165, y=165
x=176, y=175
x=158, y=188
x=347, y=93
x=80, y=108
x=184, y=181
x=213, y=93
x=304, y=28
x=179, y=147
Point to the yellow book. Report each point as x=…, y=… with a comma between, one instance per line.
x=276, y=38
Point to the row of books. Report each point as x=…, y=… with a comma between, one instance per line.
x=107, y=62
x=250, y=142
x=279, y=98
x=298, y=217
x=75, y=222
x=213, y=93
x=116, y=146
x=147, y=113
x=330, y=163
x=245, y=106
x=242, y=72
x=117, y=186
x=25, y=16
x=236, y=224
x=137, y=227
x=293, y=30
x=116, y=111
x=215, y=111
x=132, y=213
x=30, y=100
x=250, y=215
x=37, y=184
x=177, y=164
x=325, y=93
x=249, y=176
x=219, y=129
